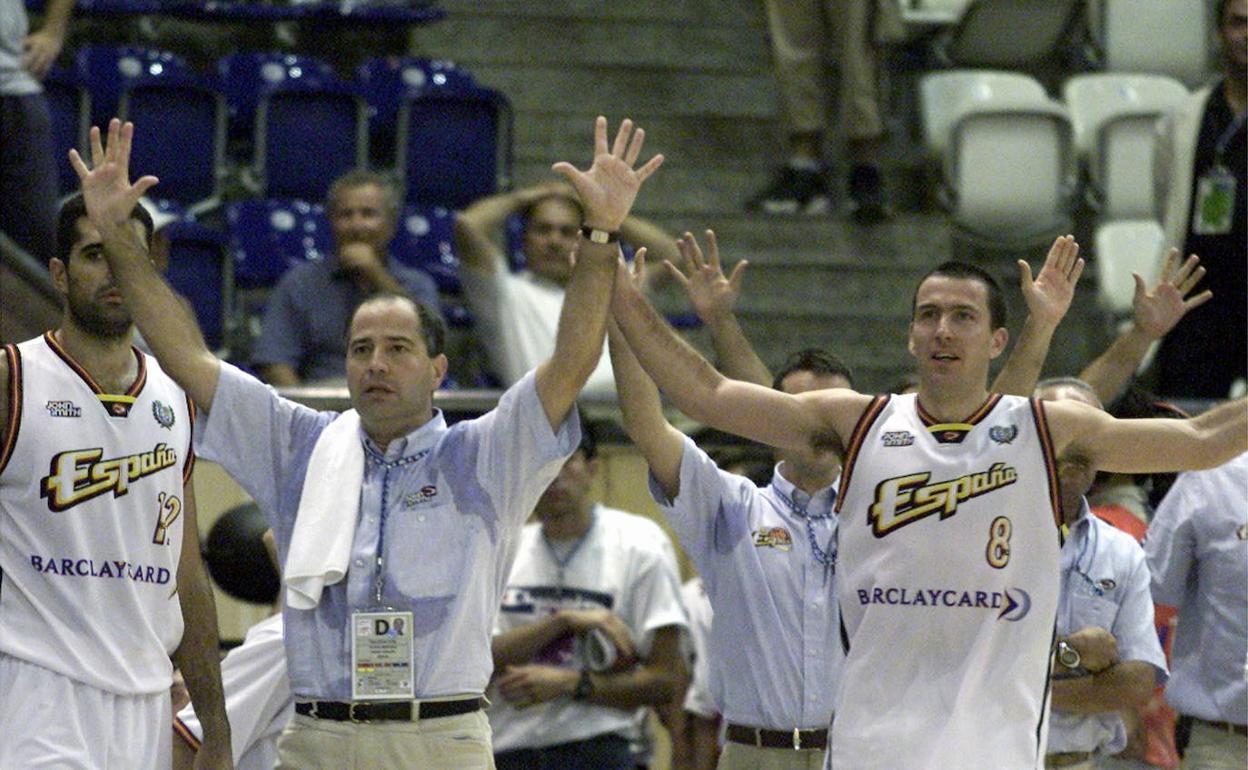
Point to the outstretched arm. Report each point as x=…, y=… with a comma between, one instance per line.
x=820, y=419
x=607, y=191
x=477, y=226
x=1150, y=445
x=1157, y=311
x=642, y=233
x=714, y=298
x=660, y=443
x=164, y=320
x=1048, y=298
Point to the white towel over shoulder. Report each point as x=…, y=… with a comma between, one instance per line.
x=329, y=508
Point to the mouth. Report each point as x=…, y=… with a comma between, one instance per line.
x=378, y=391
x=944, y=357
x=111, y=295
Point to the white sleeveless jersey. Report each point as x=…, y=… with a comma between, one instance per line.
x=90, y=520
x=948, y=583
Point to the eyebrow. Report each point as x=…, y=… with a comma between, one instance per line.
x=388, y=338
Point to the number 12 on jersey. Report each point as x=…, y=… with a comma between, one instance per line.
x=169, y=507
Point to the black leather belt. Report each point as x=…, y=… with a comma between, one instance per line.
x=386, y=711
x=1226, y=727
x=1066, y=758
x=778, y=739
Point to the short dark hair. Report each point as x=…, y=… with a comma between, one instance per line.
x=74, y=208
x=571, y=200
x=962, y=270
x=432, y=326
x=1070, y=382
x=818, y=362
x=392, y=197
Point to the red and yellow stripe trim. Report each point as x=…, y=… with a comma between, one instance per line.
x=14, y=407
x=868, y=418
x=106, y=398
x=1050, y=460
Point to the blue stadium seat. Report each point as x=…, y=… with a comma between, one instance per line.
x=245, y=76
x=454, y=142
x=425, y=238
x=106, y=71
x=199, y=269
x=179, y=136
x=384, y=82
x=70, y=108
x=308, y=133
x=268, y=237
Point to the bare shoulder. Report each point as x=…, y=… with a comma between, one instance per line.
x=839, y=410
x=1070, y=422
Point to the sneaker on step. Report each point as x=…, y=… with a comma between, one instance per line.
x=868, y=200
x=794, y=191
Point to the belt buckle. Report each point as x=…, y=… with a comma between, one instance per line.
x=351, y=713
x=797, y=739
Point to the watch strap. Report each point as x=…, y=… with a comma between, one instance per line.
x=595, y=235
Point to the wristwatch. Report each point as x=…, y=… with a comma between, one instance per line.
x=594, y=235
x=1068, y=656
x=584, y=687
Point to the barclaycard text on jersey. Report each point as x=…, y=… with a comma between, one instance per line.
x=104, y=568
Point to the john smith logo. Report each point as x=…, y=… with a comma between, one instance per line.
x=776, y=537
x=422, y=495
x=163, y=414
x=897, y=438
x=905, y=499
x=63, y=409
x=1003, y=434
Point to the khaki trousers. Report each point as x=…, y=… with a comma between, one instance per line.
x=738, y=756
x=803, y=32
x=1214, y=749
x=449, y=743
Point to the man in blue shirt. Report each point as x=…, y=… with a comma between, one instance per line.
x=413, y=520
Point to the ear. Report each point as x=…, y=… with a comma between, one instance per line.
x=59, y=273
x=440, y=365
x=1000, y=338
x=910, y=339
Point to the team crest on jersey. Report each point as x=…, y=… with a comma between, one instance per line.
x=63, y=409
x=422, y=495
x=904, y=500
x=776, y=537
x=1003, y=434
x=897, y=438
x=164, y=414
x=80, y=475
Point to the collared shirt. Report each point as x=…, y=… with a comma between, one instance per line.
x=1105, y=583
x=1197, y=549
x=305, y=321
x=14, y=26
x=455, y=501
x=775, y=647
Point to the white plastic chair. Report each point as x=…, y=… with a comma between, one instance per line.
x=1161, y=36
x=1123, y=248
x=944, y=96
x=1115, y=117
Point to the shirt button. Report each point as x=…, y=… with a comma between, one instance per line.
x=421, y=517
x=359, y=562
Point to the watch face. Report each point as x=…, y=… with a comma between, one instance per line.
x=1068, y=656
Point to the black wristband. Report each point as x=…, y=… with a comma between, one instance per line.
x=599, y=236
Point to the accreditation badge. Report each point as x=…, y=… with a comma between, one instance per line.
x=1215, y=202
x=382, y=656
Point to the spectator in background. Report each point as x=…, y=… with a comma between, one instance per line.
x=1104, y=591
x=517, y=313
x=28, y=178
x=1201, y=170
x=583, y=569
x=803, y=32
x=694, y=719
x=303, y=335
x=1198, y=552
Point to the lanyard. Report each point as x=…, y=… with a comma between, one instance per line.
x=561, y=563
x=386, y=466
x=826, y=558
x=1219, y=149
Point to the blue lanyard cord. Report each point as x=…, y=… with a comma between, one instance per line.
x=1219, y=149
x=1094, y=537
x=562, y=563
x=826, y=558
x=386, y=466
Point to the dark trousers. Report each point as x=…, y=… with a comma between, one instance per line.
x=28, y=180
x=602, y=752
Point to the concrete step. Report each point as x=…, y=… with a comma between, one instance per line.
x=706, y=13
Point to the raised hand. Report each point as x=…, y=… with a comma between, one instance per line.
x=712, y=295
x=106, y=188
x=607, y=190
x=1049, y=295
x=1159, y=310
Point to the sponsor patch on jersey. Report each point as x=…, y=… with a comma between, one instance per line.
x=904, y=500
x=79, y=475
x=1012, y=604
x=104, y=568
x=1003, y=434
x=425, y=494
x=776, y=537
x=164, y=414
x=897, y=438
x=63, y=409
x=1106, y=584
